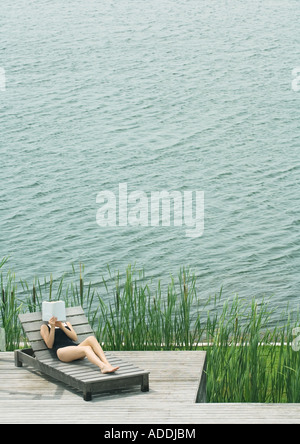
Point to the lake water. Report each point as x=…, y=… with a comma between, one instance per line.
x=162, y=95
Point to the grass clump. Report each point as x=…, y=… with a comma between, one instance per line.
x=249, y=361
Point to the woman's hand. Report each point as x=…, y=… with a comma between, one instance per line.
x=55, y=323
x=59, y=324
x=52, y=322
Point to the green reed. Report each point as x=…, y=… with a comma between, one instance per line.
x=250, y=362
x=9, y=309
x=140, y=318
x=249, y=358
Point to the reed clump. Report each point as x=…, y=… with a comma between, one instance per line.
x=249, y=361
x=250, y=358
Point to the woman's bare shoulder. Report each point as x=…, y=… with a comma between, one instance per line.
x=44, y=328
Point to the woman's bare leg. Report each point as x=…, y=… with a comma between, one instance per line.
x=91, y=341
x=69, y=354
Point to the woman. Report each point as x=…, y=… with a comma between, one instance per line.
x=61, y=338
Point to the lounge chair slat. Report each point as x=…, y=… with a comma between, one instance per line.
x=83, y=332
x=80, y=330
x=114, y=377
x=82, y=371
x=36, y=325
x=40, y=344
x=37, y=316
x=44, y=354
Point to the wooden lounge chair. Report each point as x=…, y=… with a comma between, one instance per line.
x=81, y=374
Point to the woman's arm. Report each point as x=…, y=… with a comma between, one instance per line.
x=48, y=336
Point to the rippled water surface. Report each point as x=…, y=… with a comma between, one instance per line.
x=161, y=95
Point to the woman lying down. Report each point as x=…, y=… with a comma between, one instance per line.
x=61, y=337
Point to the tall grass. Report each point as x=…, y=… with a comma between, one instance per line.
x=137, y=319
x=9, y=309
x=249, y=358
x=250, y=362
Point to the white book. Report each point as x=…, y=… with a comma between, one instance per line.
x=57, y=309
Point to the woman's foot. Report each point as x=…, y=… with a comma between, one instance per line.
x=107, y=368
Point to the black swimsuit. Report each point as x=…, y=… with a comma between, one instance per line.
x=61, y=340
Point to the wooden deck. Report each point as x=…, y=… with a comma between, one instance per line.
x=27, y=397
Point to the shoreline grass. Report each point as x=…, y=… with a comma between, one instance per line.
x=249, y=359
